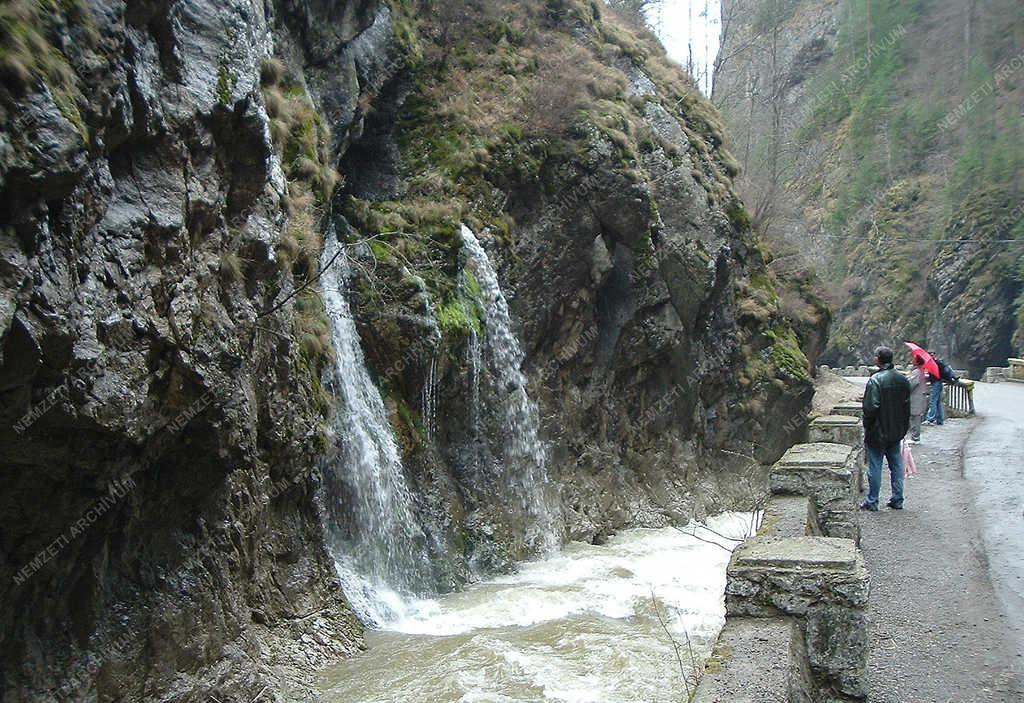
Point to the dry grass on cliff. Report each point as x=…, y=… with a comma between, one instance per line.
x=537, y=66
x=26, y=53
x=508, y=90
x=510, y=97
x=510, y=71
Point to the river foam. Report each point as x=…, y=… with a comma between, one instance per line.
x=580, y=626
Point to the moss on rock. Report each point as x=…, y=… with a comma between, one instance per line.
x=786, y=354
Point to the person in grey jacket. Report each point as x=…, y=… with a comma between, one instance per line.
x=920, y=393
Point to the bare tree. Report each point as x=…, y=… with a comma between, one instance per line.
x=731, y=12
x=752, y=36
x=690, y=674
x=728, y=13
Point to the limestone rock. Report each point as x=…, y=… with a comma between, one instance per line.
x=826, y=473
x=145, y=335
x=821, y=581
x=753, y=662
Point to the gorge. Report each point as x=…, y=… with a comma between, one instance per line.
x=881, y=145
x=314, y=310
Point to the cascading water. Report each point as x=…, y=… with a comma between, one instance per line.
x=383, y=555
x=524, y=472
x=474, y=354
x=579, y=625
x=586, y=625
x=380, y=550
x=429, y=400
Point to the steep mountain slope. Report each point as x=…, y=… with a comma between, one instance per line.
x=170, y=173
x=589, y=167
x=884, y=142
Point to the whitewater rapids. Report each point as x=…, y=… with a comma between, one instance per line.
x=581, y=626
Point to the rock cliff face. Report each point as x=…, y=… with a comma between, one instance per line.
x=881, y=144
x=656, y=342
x=169, y=171
x=158, y=428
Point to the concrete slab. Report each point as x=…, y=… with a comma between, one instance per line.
x=751, y=662
x=855, y=409
x=817, y=454
x=789, y=516
x=798, y=553
x=828, y=420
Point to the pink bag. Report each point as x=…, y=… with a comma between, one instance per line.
x=909, y=467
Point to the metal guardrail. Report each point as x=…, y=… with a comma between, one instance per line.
x=959, y=399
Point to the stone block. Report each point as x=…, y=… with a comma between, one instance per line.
x=1016, y=370
x=753, y=662
x=816, y=454
x=854, y=408
x=797, y=553
x=821, y=581
x=995, y=374
x=826, y=473
x=841, y=429
x=837, y=429
x=789, y=516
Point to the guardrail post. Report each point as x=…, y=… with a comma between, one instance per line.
x=959, y=398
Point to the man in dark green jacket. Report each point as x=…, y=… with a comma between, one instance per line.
x=886, y=421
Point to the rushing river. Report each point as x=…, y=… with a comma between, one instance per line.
x=587, y=625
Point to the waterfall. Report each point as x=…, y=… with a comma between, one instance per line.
x=380, y=551
x=524, y=472
x=474, y=352
x=429, y=400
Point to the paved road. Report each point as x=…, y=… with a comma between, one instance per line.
x=940, y=628
x=994, y=466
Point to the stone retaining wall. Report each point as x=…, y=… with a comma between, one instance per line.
x=996, y=374
x=796, y=594
x=826, y=474
x=820, y=582
x=841, y=429
x=864, y=371
x=1015, y=371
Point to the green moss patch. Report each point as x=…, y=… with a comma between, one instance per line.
x=787, y=357
x=26, y=52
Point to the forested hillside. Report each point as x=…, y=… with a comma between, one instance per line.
x=882, y=143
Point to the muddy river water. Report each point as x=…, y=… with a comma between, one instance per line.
x=590, y=624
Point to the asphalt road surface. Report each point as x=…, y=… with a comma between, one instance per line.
x=946, y=608
x=994, y=467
